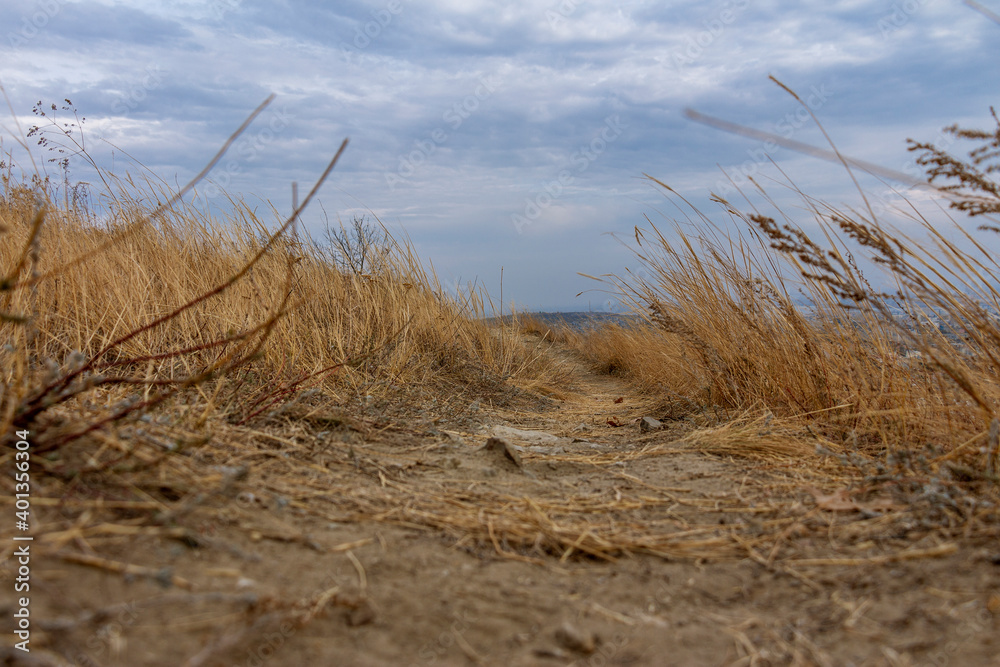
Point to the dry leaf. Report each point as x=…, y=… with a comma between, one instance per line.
x=838, y=501
x=882, y=505
x=841, y=501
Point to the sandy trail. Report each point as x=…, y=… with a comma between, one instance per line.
x=605, y=545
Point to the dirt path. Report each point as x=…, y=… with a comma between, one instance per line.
x=569, y=541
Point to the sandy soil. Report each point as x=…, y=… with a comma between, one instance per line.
x=369, y=543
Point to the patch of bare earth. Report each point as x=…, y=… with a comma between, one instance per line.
x=563, y=535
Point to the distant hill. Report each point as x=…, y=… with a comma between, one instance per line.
x=581, y=321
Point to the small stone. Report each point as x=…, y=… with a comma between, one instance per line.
x=647, y=424
x=503, y=450
x=533, y=437
x=550, y=451
x=580, y=641
x=551, y=652
x=363, y=614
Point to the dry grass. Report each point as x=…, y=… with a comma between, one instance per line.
x=154, y=357
x=909, y=371
x=184, y=353
x=339, y=333
x=159, y=317
x=551, y=332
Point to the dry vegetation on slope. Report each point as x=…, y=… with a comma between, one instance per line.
x=205, y=319
x=904, y=379
x=224, y=384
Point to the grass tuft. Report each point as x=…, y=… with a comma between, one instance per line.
x=150, y=322
x=774, y=320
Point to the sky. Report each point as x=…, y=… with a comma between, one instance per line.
x=499, y=136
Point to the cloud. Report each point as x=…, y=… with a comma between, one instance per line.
x=74, y=25
x=462, y=114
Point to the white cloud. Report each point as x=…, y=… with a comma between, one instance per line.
x=391, y=80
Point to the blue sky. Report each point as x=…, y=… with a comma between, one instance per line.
x=509, y=134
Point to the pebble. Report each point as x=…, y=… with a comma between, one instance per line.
x=574, y=639
x=647, y=424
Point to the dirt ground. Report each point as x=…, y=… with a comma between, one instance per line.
x=503, y=536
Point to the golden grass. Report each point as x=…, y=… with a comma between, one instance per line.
x=182, y=349
x=176, y=308
x=557, y=332
x=861, y=368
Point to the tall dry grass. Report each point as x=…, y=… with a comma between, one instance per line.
x=173, y=315
x=772, y=320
